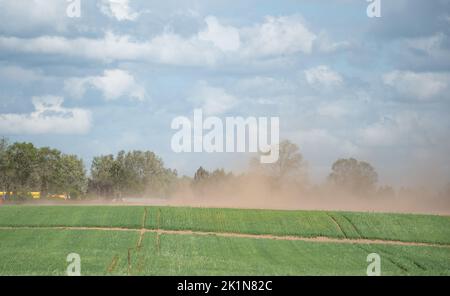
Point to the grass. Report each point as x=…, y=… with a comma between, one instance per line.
x=43, y=251
x=302, y=223
x=75, y=216
x=401, y=227
x=213, y=255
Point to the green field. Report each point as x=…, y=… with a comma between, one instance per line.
x=191, y=241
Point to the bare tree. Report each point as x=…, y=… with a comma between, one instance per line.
x=289, y=167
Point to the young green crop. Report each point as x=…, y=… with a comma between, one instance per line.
x=400, y=227
x=214, y=255
x=301, y=223
x=75, y=216
x=44, y=252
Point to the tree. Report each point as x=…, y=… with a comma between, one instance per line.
x=205, y=182
x=22, y=163
x=353, y=176
x=101, y=181
x=25, y=168
x=4, y=166
x=289, y=167
x=145, y=173
x=72, y=178
x=48, y=170
x=135, y=172
x=200, y=180
x=290, y=160
x=200, y=175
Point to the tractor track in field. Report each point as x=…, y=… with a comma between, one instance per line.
x=317, y=239
x=138, y=246
x=338, y=226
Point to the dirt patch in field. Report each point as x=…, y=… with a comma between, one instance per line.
x=319, y=239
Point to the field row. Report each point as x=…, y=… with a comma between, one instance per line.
x=399, y=227
x=44, y=252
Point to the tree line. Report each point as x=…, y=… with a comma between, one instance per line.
x=347, y=176
x=135, y=173
x=25, y=168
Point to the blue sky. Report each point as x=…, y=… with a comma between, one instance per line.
x=343, y=84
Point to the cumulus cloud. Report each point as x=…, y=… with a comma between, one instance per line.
x=430, y=45
x=420, y=86
x=277, y=36
x=226, y=38
x=113, y=84
x=323, y=76
x=26, y=16
x=401, y=129
x=49, y=117
x=167, y=48
x=424, y=53
x=212, y=100
x=317, y=140
x=216, y=43
x=264, y=85
x=325, y=44
x=118, y=9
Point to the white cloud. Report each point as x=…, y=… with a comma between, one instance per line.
x=265, y=85
x=421, y=86
x=212, y=100
x=278, y=36
x=173, y=49
x=24, y=15
x=216, y=43
x=382, y=133
x=324, y=44
x=404, y=128
x=323, y=76
x=167, y=48
x=49, y=117
x=432, y=45
x=118, y=9
x=223, y=37
x=319, y=140
x=114, y=84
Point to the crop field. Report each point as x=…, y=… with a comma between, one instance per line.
x=127, y=240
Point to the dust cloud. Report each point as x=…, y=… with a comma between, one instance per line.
x=259, y=193
x=253, y=192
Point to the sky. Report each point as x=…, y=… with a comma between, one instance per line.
x=342, y=84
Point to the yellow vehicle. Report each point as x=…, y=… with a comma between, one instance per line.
x=35, y=195
x=38, y=195
x=59, y=196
